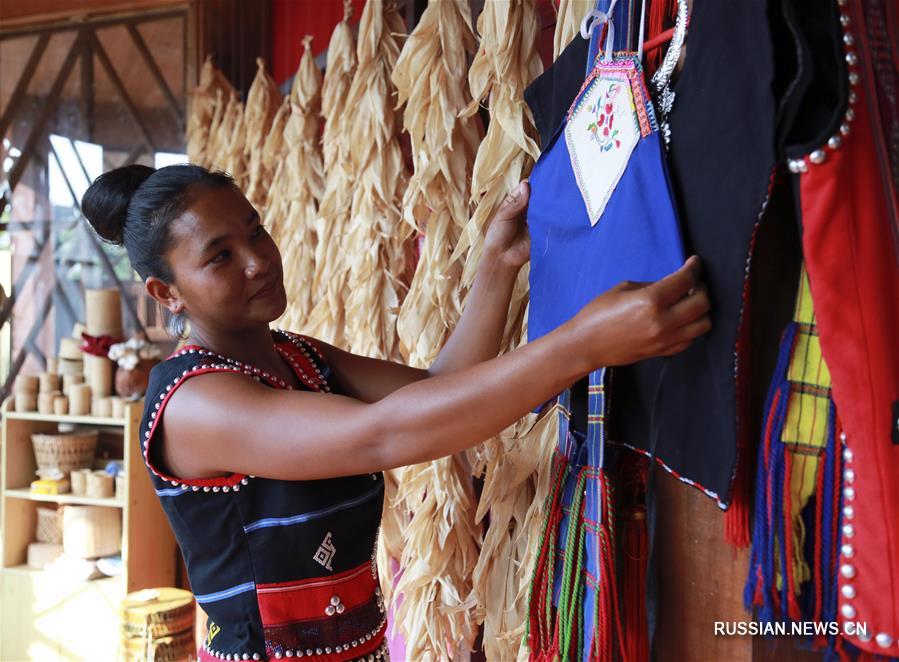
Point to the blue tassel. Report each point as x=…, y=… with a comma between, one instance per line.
x=763, y=539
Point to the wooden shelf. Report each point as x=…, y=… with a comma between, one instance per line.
x=41, y=615
x=29, y=571
x=52, y=418
x=71, y=499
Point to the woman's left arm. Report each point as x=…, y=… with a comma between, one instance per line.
x=479, y=333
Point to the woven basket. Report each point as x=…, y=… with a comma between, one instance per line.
x=65, y=452
x=89, y=532
x=49, y=525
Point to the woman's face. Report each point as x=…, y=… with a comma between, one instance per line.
x=227, y=268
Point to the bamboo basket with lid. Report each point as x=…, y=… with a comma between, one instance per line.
x=155, y=613
x=173, y=648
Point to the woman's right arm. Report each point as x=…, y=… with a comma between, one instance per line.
x=222, y=423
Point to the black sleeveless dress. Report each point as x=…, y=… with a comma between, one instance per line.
x=282, y=568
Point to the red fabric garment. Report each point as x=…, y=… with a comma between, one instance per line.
x=854, y=277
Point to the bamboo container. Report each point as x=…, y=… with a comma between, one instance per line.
x=78, y=480
x=100, y=484
x=102, y=407
x=46, y=401
x=53, y=365
x=91, y=531
x=49, y=382
x=69, y=380
x=27, y=384
x=100, y=373
x=71, y=367
x=60, y=405
x=70, y=349
x=118, y=407
x=80, y=399
x=26, y=401
x=103, y=312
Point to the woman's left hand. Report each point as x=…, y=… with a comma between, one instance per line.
x=507, y=235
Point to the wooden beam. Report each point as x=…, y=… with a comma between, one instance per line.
x=106, y=63
x=106, y=13
x=22, y=85
x=150, y=61
x=49, y=106
x=87, y=88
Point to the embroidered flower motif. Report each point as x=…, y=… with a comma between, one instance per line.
x=603, y=130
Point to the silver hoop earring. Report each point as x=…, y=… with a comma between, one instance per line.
x=178, y=326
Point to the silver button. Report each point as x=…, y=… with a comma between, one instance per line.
x=883, y=640
x=848, y=512
x=848, y=611
x=848, y=530
x=847, y=570
x=848, y=551
x=849, y=475
x=848, y=592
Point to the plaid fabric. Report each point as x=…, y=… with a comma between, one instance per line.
x=807, y=424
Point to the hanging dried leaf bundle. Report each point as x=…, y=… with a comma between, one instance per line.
x=227, y=139
x=263, y=101
x=293, y=203
x=517, y=468
x=376, y=236
x=568, y=22
x=326, y=318
x=213, y=86
x=516, y=464
x=441, y=540
x=506, y=63
x=439, y=556
x=430, y=77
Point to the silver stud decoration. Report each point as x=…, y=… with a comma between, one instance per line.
x=848, y=530
x=819, y=156
x=849, y=475
x=849, y=493
x=848, y=512
x=883, y=640
x=847, y=454
x=847, y=570
x=864, y=637
x=848, y=611
x=848, y=592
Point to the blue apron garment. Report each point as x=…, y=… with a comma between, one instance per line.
x=601, y=211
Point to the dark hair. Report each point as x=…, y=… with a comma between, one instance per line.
x=135, y=205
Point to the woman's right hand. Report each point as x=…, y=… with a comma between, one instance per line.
x=636, y=321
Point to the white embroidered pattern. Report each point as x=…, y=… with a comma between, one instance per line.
x=325, y=552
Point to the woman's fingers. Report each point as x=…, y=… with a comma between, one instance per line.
x=515, y=203
x=690, y=307
x=677, y=285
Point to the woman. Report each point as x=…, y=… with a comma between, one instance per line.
x=269, y=460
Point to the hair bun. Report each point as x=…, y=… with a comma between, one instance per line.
x=105, y=203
